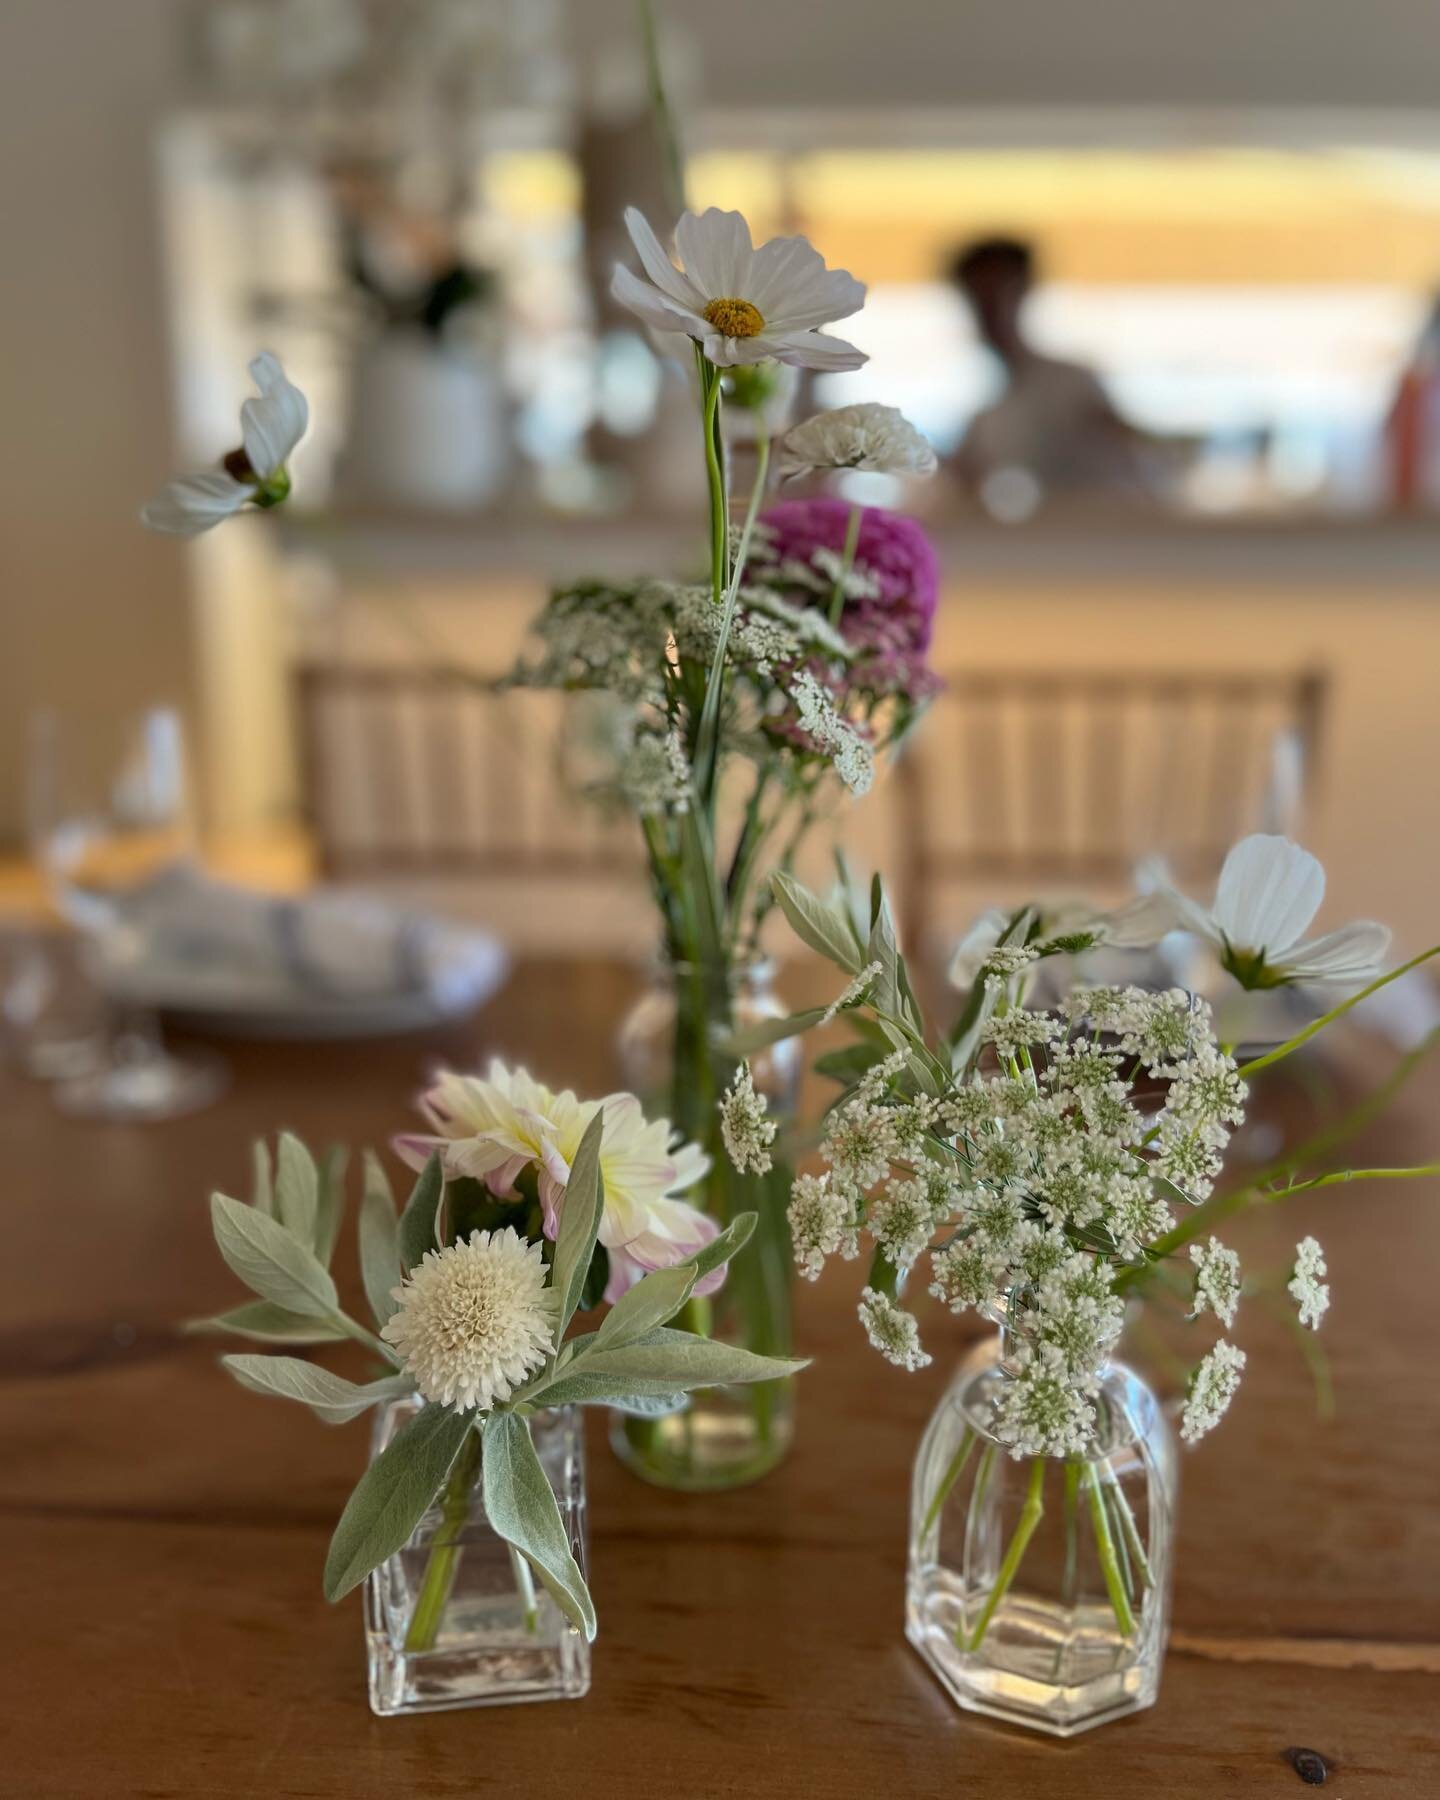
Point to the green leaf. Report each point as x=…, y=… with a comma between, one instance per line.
x=262, y=1190
x=771, y=1031
x=722, y=1247
x=647, y=1406
x=328, y=1396
x=269, y=1324
x=580, y=1217
x=653, y=1300
x=683, y=1360
x=330, y=1201
x=379, y=1234
x=270, y=1261
x=417, y=1222
x=849, y=1063
x=392, y=1495
x=576, y=1386
x=297, y=1188
x=521, y=1507
x=816, y=924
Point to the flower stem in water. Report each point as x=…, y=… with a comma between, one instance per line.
x=1031, y=1514
x=443, y=1562
x=1105, y=1544
x=948, y=1479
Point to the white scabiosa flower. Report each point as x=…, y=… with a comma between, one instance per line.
x=475, y=1320
x=877, y=439
x=1268, y=893
x=892, y=1331
x=744, y=1127
x=1305, y=1287
x=740, y=304
x=272, y=424
x=1217, y=1281
x=1212, y=1388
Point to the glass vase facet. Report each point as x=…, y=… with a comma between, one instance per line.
x=455, y=1618
x=671, y=1057
x=1039, y=1588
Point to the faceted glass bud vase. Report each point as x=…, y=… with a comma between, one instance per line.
x=1039, y=1588
x=721, y=1437
x=458, y=1619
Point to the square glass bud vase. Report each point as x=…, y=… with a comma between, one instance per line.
x=1039, y=1587
x=456, y=1618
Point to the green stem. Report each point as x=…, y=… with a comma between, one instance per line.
x=368, y=1338
x=1290, y=1045
x=1072, y=1494
x=847, y=562
x=1031, y=1514
x=948, y=1479
x=708, y=736
x=672, y=161
x=444, y=1559
x=1105, y=1544
x=525, y=1588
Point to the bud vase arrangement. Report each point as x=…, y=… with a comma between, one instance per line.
x=467, y=1529
x=1052, y=1168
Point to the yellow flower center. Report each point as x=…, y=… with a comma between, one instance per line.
x=735, y=318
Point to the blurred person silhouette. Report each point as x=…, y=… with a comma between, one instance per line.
x=1053, y=428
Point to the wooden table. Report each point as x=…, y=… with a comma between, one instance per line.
x=165, y=1636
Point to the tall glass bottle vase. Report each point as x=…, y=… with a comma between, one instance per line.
x=456, y=1617
x=669, y=1055
x=1039, y=1588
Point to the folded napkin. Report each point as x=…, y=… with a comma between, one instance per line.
x=329, y=946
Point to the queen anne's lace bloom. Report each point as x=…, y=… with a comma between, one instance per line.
x=822, y=1223
x=853, y=993
x=1212, y=1388
x=892, y=1330
x=474, y=1320
x=746, y=1130
x=833, y=735
x=1305, y=1287
x=1042, y=1411
x=1217, y=1280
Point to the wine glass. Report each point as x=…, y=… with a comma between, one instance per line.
x=107, y=841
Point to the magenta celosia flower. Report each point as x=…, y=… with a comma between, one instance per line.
x=892, y=549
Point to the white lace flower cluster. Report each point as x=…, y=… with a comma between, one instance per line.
x=1033, y=1185
x=745, y=1127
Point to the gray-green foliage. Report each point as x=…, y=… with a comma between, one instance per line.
x=280, y=1246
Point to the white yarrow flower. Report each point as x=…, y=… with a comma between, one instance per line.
x=475, y=1319
x=740, y=304
x=892, y=1331
x=744, y=1127
x=878, y=439
x=1269, y=891
x=1217, y=1281
x=272, y=424
x=1212, y=1388
x=1305, y=1287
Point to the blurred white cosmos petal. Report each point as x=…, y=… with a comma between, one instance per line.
x=272, y=423
x=740, y=304
x=865, y=436
x=1269, y=892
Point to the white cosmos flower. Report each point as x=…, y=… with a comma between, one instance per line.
x=879, y=439
x=475, y=1319
x=272, y=424
x=740, y=304
x=1269, y=891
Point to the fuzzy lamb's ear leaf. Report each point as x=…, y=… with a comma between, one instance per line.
x=328, y=1396
x=262, y=1187
x=271, y=1261
x=580, y=1216
x=723, y=1247
x=521, y=1507
x=380, y=1268
x=417, y=1222
x=679, y=1359
x=297, y=1188
x=653, y=1301
x=390, y=1498
x=267, y=1323
x=760, y=1036
x=816, y=924
x=330, y=1201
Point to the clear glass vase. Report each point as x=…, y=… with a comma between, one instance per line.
x=1039, y=1588
x=670, y=1056
x=456, y=1617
